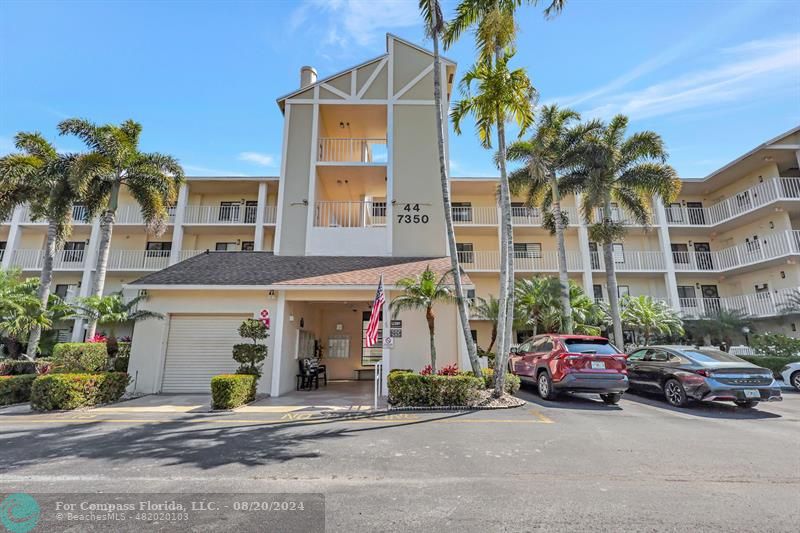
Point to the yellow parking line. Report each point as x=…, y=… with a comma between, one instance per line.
x=542, y=418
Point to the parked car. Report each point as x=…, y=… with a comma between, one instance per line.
x=686, y=373
x=791, y=374
x=571, y=363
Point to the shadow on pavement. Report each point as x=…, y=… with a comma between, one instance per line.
x=566, y=401
x=185, y=441
x=704, y=409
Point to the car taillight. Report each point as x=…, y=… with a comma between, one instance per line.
x=703, y=372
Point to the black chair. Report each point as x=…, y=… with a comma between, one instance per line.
x=310, y=372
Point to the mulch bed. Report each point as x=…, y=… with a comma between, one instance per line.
x=485, y=401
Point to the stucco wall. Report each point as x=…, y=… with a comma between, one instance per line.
x=295, y=181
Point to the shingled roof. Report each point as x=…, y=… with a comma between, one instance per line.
x=266, y=269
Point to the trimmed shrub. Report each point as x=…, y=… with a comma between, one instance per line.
x=251, y=356
x=415, y=390
x=18, y=367
x=512, y=381
x=16, y=389
x=71, y=391
x=79, y=357
x=232, y=390
x=773, y=363
x=776, y=345
x=400, y=370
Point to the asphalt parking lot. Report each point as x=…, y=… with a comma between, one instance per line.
x=571, y=465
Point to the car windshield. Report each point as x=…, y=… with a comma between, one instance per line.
x=708, y=355
x=598, y=346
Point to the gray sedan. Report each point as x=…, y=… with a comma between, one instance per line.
x=685, y=373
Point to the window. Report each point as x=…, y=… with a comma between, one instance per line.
x=379, y=208
x=73, y=251
x=657, y=356
x=687, y=296
x=680, y=253
x=619, y=252
x=462, y=211
x=61, y=290
x=158, y=249
x=762, y=291
x=371, y=355
x=79, y=213
x=598, y=293
x=250, y=211
x=225, y=246
x=710, y=355
x=594, y=255
x=599, y=346
x=623, y=290
x=545, y=346
x=464, y=250
x=528, y=250
x=615, y=212
x=248, y=246
x=229, y=211
x=754, y=245
x=674, y=213
x=638, y=355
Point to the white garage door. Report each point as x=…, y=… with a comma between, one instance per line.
x=198, y=348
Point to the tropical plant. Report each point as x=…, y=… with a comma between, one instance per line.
x=554, y=150
x=630, y=172
x=648, y=317
x=111, y=311
x=720, y=325
x=114, y=162
x=434, y=26
x=250, y=356
x=40, y=177
x=539, y=306
x=422, y=293
x=792, y=303
x=502, y=95
x=21, y=311
x=489, y=309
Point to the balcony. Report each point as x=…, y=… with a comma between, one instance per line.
x=771, y=190
x=620, y=216
x=777, y=245
x=533, y=216
x=631, y=261
x=344, y=150
x=349, y=214
x=520, y=216
x=221, y=214
x=758, y=305
x=138, y=259
x=489, y=261
x=474, y=216
x=79, y=214
x=34, y=259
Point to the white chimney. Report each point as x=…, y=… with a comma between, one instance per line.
x=308, y=76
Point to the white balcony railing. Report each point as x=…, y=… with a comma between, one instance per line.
x=770, y=247
x=220, y=214
x=79, y=213
x=627, y=261
x=474, y=216
x=763, y=304
x=532, y=216
x=138, y=259
x=28, y=259
x=770, y=190
x=344, y=150
x=621, y=216
x=349, y=214
x=186, y=254
x=270, y=214
x=523, y=261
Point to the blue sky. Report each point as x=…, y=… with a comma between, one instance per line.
x=714, y=78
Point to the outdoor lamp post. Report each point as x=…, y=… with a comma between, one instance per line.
x=746, y=331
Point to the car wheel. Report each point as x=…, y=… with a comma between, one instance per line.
x=795, y=380
x=545, y=384
x=674, y=393
x=747, y=404
x=612, y=398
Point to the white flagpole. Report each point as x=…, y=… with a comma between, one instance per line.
x=385, y=367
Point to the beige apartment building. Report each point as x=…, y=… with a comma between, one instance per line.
x=357, y=198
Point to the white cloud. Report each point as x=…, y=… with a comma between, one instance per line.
x=355, y=22
x=750, y=70
x=264, y=160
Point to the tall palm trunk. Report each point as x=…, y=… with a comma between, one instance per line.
x=45, y=279
x=448, y=214
x=563, y=278
x=493, y=338
x=611, y=281
x=103, y=248
x=431, y=319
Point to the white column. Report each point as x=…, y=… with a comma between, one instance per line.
x=666, y=249
x=14, y=236
x=177, y=227
x=262, y=207
x=86, y=278
x=583, y=245
x=276, y=326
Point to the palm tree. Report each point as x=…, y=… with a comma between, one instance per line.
x=39, y=176
x=720, y=325
x=153, y=179
x=588, y=316
x=629, y=172
x=501, y=96
x=649, y=317
x=434, y=25
x=112, y=310
x=489, y=309
x=495, y=32
x=423, y=292
x=538, y=300
x=535, y=299
x=554, y=149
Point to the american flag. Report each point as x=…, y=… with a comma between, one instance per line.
x=375, y=316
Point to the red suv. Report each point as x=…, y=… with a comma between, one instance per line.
x=571, y=363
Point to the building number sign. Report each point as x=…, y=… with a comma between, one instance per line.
x=411, y=215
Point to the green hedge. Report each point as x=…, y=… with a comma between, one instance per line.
x=512, y=381
x=407, y=389
x=71, y=391
x=232, y=390
x=18, y=367
x=16, y=389
x=773, y=363
x=80, y=357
